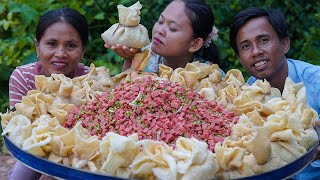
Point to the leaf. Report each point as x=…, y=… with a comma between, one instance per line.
x=89, y=2
x=6, y=25
x=9, y=16
x=28, y=14
x=2, y=8
x=113, y=20
x=99, y=16
x=5, y=72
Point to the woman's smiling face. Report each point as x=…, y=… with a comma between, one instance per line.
x=60, y=49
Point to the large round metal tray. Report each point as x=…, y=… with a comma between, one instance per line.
x=63, y=172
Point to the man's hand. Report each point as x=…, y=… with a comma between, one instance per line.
x=123, y=51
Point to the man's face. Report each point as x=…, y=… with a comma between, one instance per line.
x=261, y=52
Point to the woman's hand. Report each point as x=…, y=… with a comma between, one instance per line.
x=46, y=177
x=123, y=51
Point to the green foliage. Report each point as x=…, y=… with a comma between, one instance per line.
x=18, y=20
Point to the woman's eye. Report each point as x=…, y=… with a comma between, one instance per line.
x=51, y=43
x=71, y=46
x=245, y=46
x=264, y=40
x=172, y=29
x=160, y=22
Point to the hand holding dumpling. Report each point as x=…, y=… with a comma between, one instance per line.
x=123, y=51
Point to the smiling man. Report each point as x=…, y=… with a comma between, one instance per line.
x=260, y=39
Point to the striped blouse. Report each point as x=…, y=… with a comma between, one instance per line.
x=22, y=80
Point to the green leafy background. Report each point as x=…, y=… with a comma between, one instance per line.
x=18, y=21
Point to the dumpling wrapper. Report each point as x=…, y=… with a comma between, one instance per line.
x=228, y=94
x=192, y=73
x=66, y=85
x=243, y=129
x=128, y=31
x=259, y=145
x=258, y=90
x=187, y=77
x=124, y=76
x=118, y=153
x=78, y=97
x=205, y=171
x=278, y=104
x=135, y=37
x=165, y=71
x=55, y=158
x=27, y=108
x=256, y=118
x=215, y=76
x=194, y=160
x=307, y=116
x=208, y=93
x=229, y=158
x=82, y=164
x=46, y=84
x=274, y=162
x=18, y=129
x=235, y=77
x=278, y=150
x=141, y=60
x=205, y=83
x=86, y=147
x=6, y=118
x=245, y=104
x=35, y=145
x=282, y=121
x=44, y=128
x=205, y=69
x=294, y=93
x=60, y=111
x=63, y=144
x=230, y=161
x=154, y=160
x=176, y=77
x=103, y=77
x=129, y=16
x=308, y=138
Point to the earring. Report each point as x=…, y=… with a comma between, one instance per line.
x=37, y=57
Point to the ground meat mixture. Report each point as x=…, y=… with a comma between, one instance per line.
x=157, y=110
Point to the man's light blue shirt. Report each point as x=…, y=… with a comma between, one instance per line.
x=309, y=74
